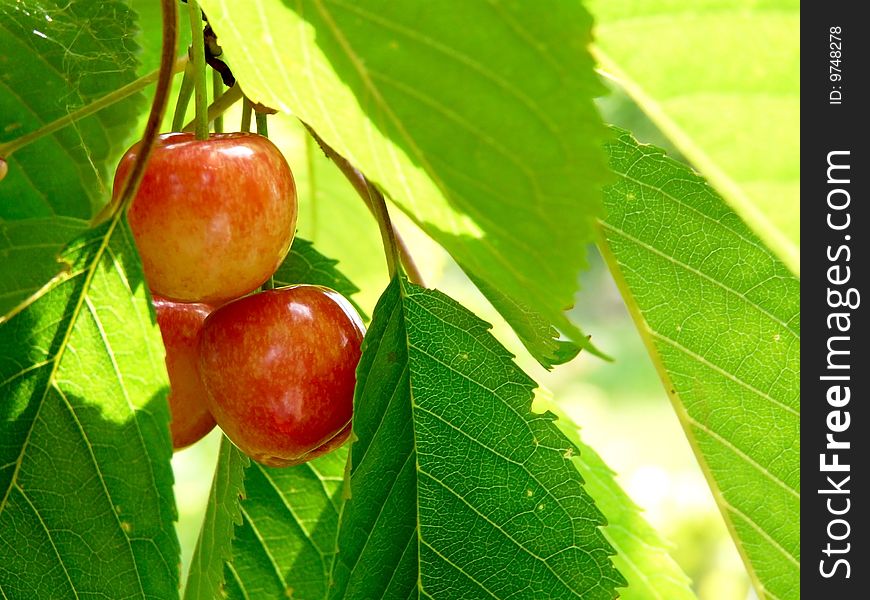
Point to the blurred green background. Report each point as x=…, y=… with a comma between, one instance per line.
x=620, y=406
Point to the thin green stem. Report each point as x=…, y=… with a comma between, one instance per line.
x=219, y=106
x=199, y=79
x=262, y=126
x=247, y=111
x=310, y=149
x=217, y=90
x=184, y=95
x=7, y=148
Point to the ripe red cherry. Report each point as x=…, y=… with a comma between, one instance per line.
x=280, y=369
x=180, y=325
x=212, y=219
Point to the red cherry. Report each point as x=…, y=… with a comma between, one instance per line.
x=279, y=368
x=180, y=325
x=212, y=219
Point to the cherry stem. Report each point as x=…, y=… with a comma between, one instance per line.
x=247, y=111
x=262, y=127
x=199, y=79
x=7, y=148
x=310, y=143
x=217, y=87
x=394, y=245
x=155, y=116
x=378, y=206
x=183, y=97
x=218, y=107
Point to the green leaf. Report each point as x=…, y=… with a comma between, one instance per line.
x=149, y=39
x=86, y=505
x=280, y=537
x=641, y=554
x=729, y=101
x=214, y=546
x=721, y=316
x=29, y=256
x=55, y=57
x=285, y=544
x=458, y=490
x=486, y=136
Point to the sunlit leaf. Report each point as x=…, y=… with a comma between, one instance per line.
x=86, y=505
x=214, y=546
x=721, y=317
x=56, y=56
x=642, y=556
x=29, y=256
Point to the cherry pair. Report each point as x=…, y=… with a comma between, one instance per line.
x=213, y=220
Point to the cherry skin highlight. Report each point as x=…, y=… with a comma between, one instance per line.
x=212, y=219
x=180, y=325
x=279, y=368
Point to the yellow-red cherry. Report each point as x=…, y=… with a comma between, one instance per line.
x=180, y=326
x=212, y=219
x=279, y=368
